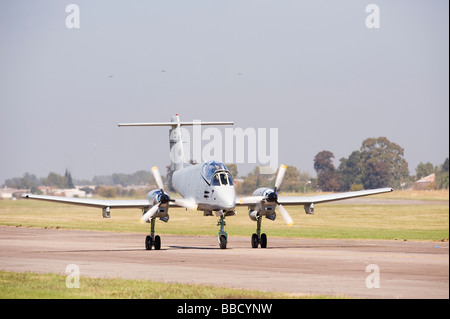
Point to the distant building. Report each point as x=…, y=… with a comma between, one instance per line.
x=73, y=192
x=427, y=182
x=12, y=193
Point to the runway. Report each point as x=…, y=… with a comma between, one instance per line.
x=354, y=268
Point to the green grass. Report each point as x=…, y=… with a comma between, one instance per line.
x=333, y=220
x=53, y=286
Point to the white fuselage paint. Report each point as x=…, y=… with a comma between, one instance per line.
x=190, y=184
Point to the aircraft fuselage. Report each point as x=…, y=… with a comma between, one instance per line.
x=209, y=184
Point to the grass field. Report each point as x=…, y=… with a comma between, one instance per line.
x=428, y=220
x=52, y=286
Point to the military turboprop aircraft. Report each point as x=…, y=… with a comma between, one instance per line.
x=206, y=187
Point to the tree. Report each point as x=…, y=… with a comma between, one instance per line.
x=442, y=179
x=382, y=150
x=326, y=172
x=376, y=174
x=444, y=166
x=106, y=191
x=232, y=168
x=350, y=171
x=291, y=181
x=423, y=170
x=28, y=181
x=68, y=177
x=55, y=180
x=254, y=180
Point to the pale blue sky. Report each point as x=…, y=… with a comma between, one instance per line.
x=312, y=69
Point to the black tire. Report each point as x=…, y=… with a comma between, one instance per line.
x=148, y=242
x=223, y=242
x=263, y=241
x=157, y=242
x=254, y=241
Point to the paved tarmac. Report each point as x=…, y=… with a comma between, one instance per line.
x=354, y=268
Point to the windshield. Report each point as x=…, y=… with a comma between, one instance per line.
x=222, y=178
x=209, y=168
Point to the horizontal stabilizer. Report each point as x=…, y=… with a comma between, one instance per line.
x=174, y=124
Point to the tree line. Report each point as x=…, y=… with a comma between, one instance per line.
x=377, y=163
x=31, y=182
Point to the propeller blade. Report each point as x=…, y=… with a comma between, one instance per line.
x=287, y=218
x=280, y=176
x=249, y=200
x=157, y=177
x=186, y=203
x=149, y=214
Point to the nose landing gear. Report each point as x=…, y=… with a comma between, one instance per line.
x=222, y=236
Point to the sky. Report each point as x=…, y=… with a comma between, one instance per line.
x=313, y=70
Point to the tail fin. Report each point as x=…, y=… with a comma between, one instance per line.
x=176, y=142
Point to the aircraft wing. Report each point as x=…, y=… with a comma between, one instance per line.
x=99, y=203
x=307, y=200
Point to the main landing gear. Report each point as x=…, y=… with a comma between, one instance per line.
x=258, y=238
x=152, y=240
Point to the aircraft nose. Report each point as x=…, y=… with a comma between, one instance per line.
x=228, y=199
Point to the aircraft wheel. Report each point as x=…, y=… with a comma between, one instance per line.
x=148, y=242
x=254, y=241
x=223, y=242
x=157, y=242
x=263, y=241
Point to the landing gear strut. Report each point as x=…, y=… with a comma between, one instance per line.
x=222, y=236
x=152, y=240
x=258, y=238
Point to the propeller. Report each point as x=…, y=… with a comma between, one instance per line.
x=157, y=177
x=164, y=198
x=149, y=214
x=273, y=196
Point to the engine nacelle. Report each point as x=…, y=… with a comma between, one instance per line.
x=106, y=212
x=253, y=214
x=309, y=208
x=154, y=197
x=262, y=191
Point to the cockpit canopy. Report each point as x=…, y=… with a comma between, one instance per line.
x=216, y=174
